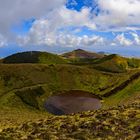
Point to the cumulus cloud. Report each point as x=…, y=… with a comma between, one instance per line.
x=122, y=40
x=3, y=41
x=136, y=38
x=50, y=31
x=63, y=40
x=53, y=18
x=118, y=13
x=13, y=11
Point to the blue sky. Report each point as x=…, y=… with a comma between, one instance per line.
x=79, y=4
x=58, y=26
x=23, y=27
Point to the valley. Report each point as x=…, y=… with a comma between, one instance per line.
x=77, y=91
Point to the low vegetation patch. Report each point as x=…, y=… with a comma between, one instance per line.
x=115, y=123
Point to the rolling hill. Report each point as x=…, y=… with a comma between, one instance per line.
x=112, y=63
x=34, y=83
x=133, y=62
x=34, y=57
x=25, y=88
x=103, y=77
x=81, y=54
x=22, y=78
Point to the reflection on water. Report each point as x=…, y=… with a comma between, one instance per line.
x=72, y=102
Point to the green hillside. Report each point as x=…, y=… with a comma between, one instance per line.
x=112, y=63
x=133, y=62
x=126, y=95
x=25, y=88
x=34, y=83
x=34, y=57
x=17, y=77
x=79, y=53
x=80, y=57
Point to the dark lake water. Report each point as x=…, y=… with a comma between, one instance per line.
x=72, y=102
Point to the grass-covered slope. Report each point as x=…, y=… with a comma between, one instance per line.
x=79, y=53
x=112, y=63
x=126, y=95
x=34, y=57
x=33, y=83
x=133, y=62
x=24, y=81
x=81, y=57
x=24, y=88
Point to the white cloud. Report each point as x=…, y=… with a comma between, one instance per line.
x=53, y=18
x=65, y=18
x=13, y=11
x=48, y=31
x=118, y=13
x=136, y=38
x=122, y=40
x=3, y=41
x=62, y=40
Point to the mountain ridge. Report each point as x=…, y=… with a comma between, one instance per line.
x=34, y=57
x=79, y=53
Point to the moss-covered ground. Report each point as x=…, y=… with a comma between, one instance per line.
x=114, y=123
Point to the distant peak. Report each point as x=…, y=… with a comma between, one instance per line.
x=79, y=50
x=79, y=53
x=115, y=55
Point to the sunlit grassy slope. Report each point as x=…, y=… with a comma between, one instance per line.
x=33, y=83
x=112, y=63
x=34, y=57
x=22, y=79
x=30, y=85
x=79, y=53
x=127, y=95
x=24, y=88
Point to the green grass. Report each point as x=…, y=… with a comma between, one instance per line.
x=126, y=95
x=24, y=88
x=24, y=80
x=29, y=96
x=133, y=62
x=112, y=63
x=34, y=57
